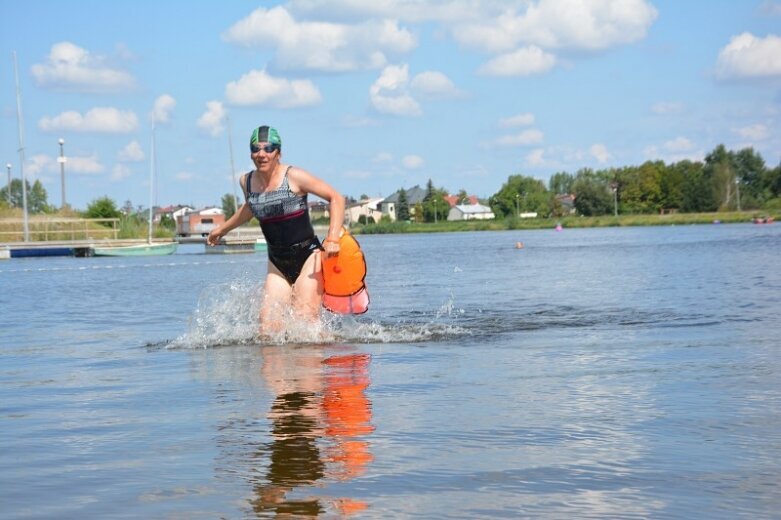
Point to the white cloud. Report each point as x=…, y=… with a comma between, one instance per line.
x=132, y=152
x=525, y=61
x=600, y=153
x=71, y=67
x=758, y=132
x=412, y=162
x=321, y=46
x=434, y=85
x=39, y=163
x=525, y=138
x=382, y=157
x=89, y=165
x=351, y=121
x=389, y=94
x=99, y=120
x=667, y=107
x=535, y=158
x=679, y=144
x=525, y=119
x=119, y=172
x=213, y=120
x=164, y=105
x=560, y=24
x=676, y=150
x=184, y=176
x=258, y=88
x=747, y=56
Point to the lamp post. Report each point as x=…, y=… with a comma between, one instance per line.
x=517, y=206
x=8, y=193
x=737, y=186
x=61, y=159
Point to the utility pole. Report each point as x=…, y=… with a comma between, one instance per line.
x=737, y=186
x=61, y=159
x=21, y=150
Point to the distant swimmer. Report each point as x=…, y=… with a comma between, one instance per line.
x=276, y=194
x=519, y=245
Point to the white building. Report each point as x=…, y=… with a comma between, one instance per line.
x=470, y=212
x=369, y=208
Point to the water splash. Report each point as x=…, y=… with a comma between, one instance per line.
x=228, y=314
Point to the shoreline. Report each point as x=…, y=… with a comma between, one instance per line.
x=508, y=224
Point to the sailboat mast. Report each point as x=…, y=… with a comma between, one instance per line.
x=21, y=150
x=151, y=183
x=233, y=168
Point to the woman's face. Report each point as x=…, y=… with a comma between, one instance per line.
x=265, y=156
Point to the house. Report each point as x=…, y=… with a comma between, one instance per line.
x=453, y=199
x=199, y=222
x=567, y=203
x=170, y=212
x=415, y=196
x=470, y=212
x=367, y=208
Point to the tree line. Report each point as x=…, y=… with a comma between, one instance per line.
x=724, y=181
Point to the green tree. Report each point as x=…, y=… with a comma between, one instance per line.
x=520, y=194
x=561, y=183
x=167, y=222
x=434, y=206
x=102, y=207
x=671, y=184
x=36, y=196
x=402, y=211
x=228, y=205
x=592, y=196
x=696, y=191
x=719, y=170
x=642, y=190
x=750, y=173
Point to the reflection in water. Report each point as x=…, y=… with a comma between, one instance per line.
x=319, y=419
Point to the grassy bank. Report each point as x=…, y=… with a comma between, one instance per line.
x=69, y=225
x=567, y=222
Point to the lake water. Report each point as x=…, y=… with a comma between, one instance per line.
x=621, y=373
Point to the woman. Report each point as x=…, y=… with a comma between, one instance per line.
x=276, y=194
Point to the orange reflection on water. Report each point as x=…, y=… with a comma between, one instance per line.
x=320, y=418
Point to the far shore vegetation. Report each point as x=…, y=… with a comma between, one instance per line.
x=726, y=187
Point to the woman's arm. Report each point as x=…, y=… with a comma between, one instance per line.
x=305, y=182
x=240, y=217
x=243, y=215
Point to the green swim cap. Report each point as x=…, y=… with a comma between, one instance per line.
x=265, y=134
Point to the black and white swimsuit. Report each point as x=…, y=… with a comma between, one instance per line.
x=284, y=219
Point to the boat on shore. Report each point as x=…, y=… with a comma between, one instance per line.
x=149, y=249
x=763, y=220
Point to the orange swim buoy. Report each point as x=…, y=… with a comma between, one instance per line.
x=344, y=277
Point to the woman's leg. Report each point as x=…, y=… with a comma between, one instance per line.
x=277, y=295
x=308, y=289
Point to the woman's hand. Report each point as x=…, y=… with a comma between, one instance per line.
x=331, y=246
x=215, y=235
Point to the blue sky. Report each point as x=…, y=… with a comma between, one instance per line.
x=374, y=96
